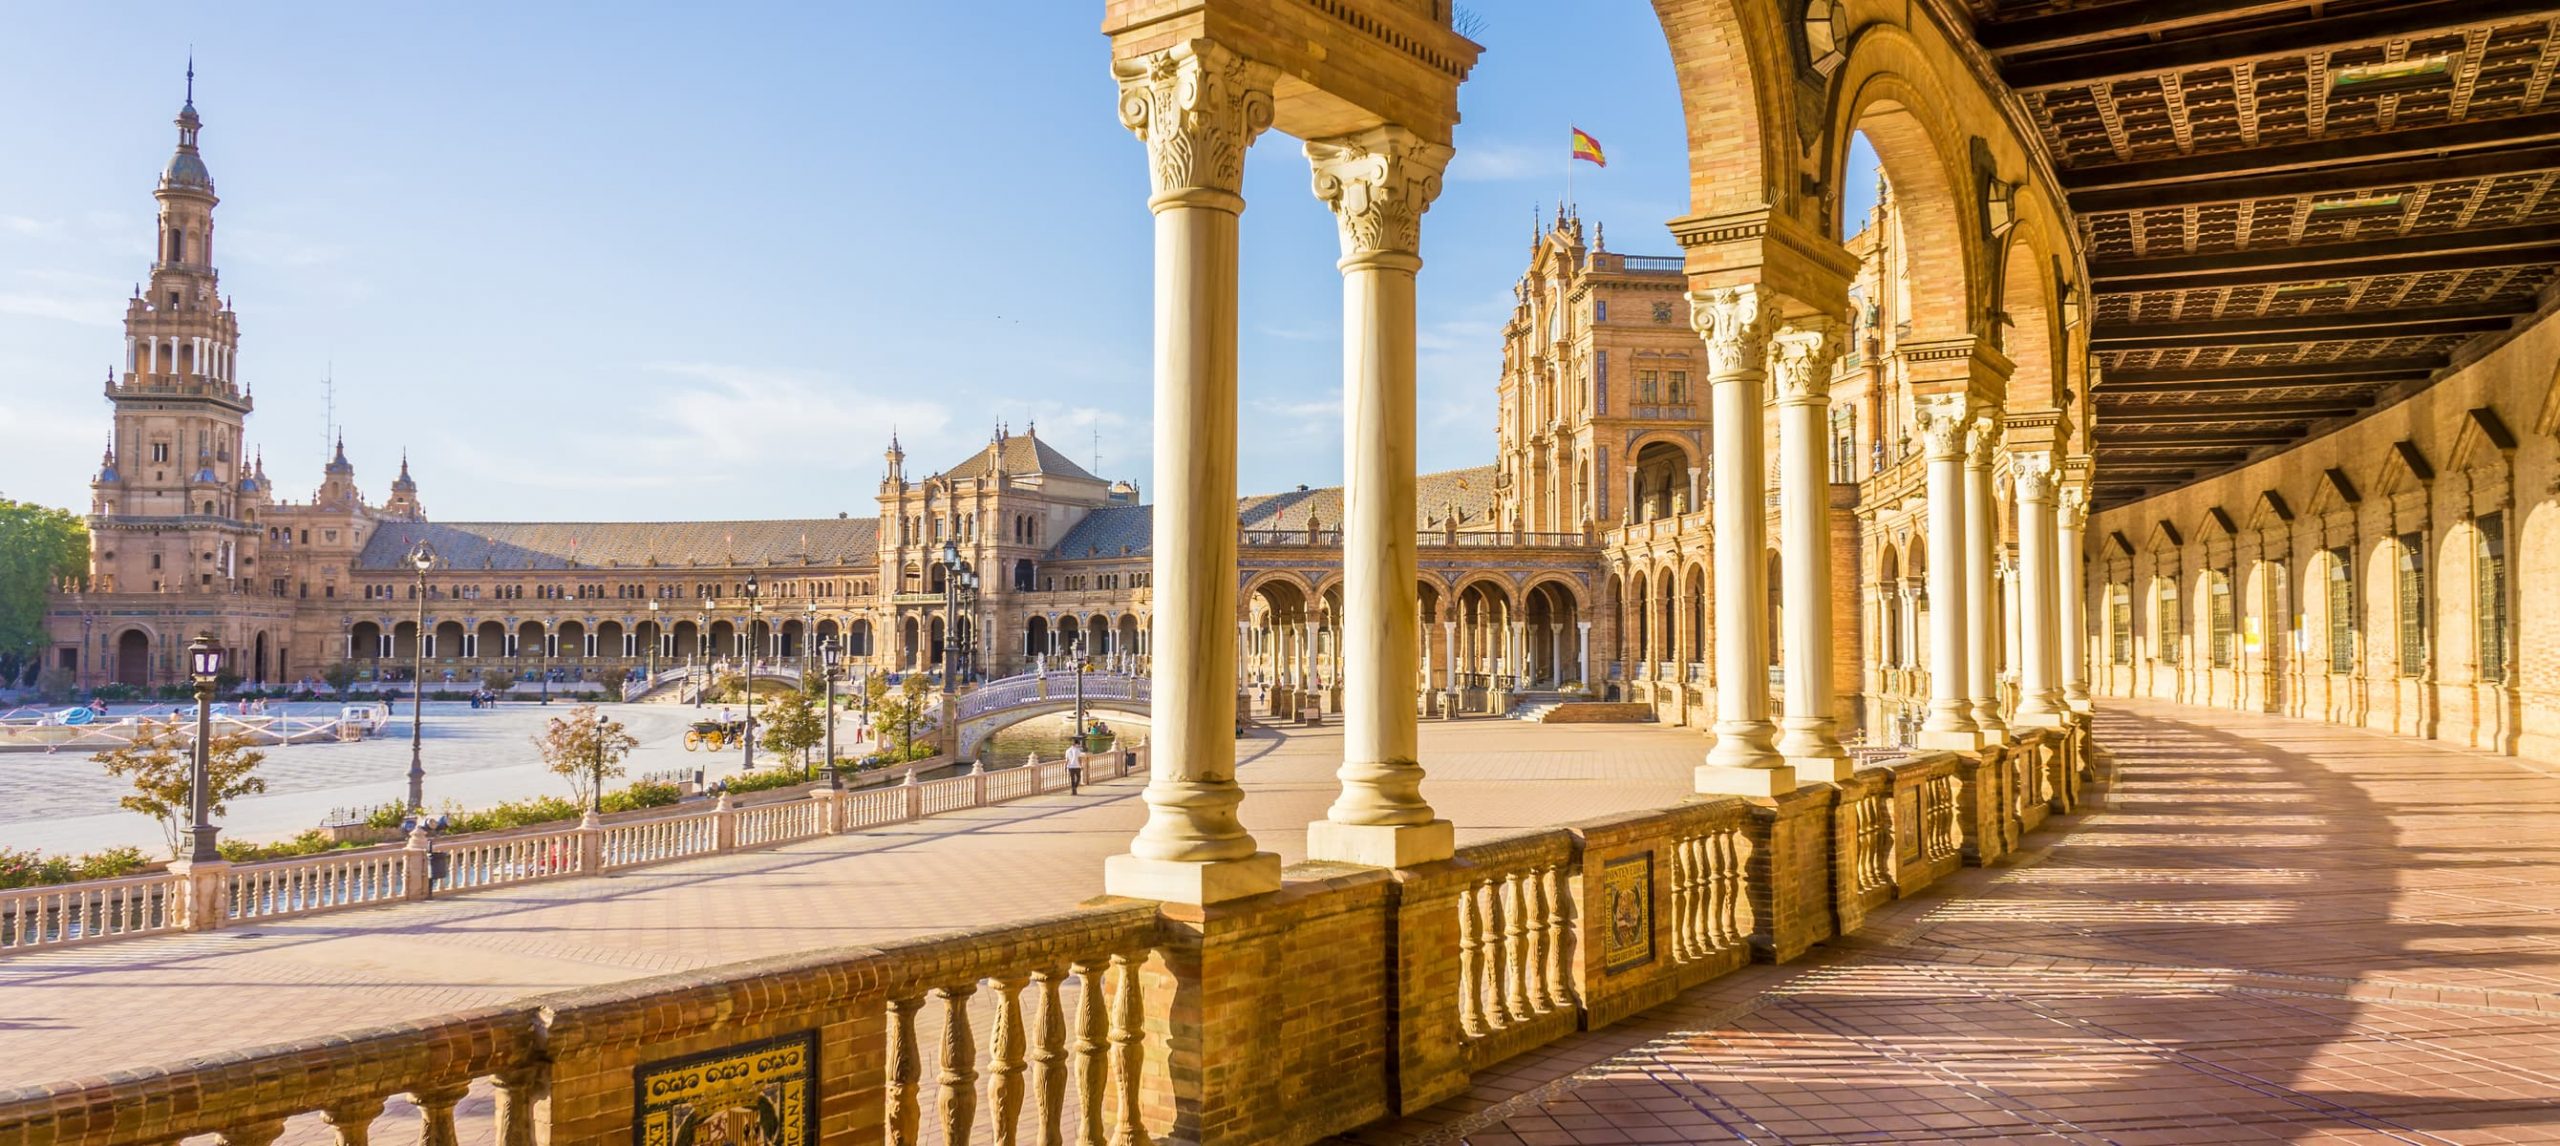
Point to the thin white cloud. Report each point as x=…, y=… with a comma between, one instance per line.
x=252, y=245
x=1505, y=163
x=31, y=228
x=82, y=309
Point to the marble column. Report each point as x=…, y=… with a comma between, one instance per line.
x=1800, y=359
x=1449, y=663
x=1197, y=106
x=2070, y=519
x=1982, y=593
x=1379, y=183
x=1950, y=721
x=1582, y=655
x=1736, y=323
x=2039, y=612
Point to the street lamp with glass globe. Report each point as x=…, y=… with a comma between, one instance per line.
x=422, y=557
x=951, y=568
x=657, y=636
x=829, y=656
x=755, y=609
x=702, y=645
x=206, y=662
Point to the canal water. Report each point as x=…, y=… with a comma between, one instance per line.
x=1048, y=735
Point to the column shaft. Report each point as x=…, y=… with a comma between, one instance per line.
x=2039, y=613
x=1736, y=323
x=2071, y=603
x=1950, y=722
x=1801, y=357
x=1981, y=605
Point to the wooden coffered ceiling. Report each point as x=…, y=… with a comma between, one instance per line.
x=2290, y=206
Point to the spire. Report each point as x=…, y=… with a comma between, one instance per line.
x=404, y=483
x=339, y=463
x=186, y=169
x=191, y=77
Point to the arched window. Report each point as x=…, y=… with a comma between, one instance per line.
x=177, y=245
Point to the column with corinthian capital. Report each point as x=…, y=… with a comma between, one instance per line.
x=1379, y=182
x=1950, y=721
x=1981, y=605
x=1800, y=358
x=2071, y=519
x=1736, y=323
x=1197, y=106
x=2039, y=613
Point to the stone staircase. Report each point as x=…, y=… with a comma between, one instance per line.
x=1533, y=707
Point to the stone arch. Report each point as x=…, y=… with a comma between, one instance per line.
x=2027, y=323
x=1736, y=101
x=1662, y=464
x=1887, y=89
x=133, y=657
x=364, y=641
x=447, y=643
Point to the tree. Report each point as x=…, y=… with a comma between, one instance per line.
x=585, y=751
x=794, y=724
x=159, y=763
x=497, y=680
x=903, y=713
x=39, y=546
x=340, y=675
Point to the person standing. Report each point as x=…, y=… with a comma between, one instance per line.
x=1075, y=767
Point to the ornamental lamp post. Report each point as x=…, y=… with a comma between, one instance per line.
x=657, y=634
x=950, y=616
x=755, y=609
x=595, y=797
x=206, y=661
x=1081, y=666
x=829, y=655
x=808, y=635
x=702, y=646
x=423, y=557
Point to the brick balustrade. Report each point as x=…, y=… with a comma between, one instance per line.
x=1351, y=995
x=209, y=896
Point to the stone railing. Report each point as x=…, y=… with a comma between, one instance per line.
x=1351, y=995
x=209, y=896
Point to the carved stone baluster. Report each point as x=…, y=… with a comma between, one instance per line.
x=1533, y=962
x=1488, y=899
x=1048, y=1056
x=351, y=1123
x=1128, y=1049
x=515, y=1094
x=1691, y=932
x=906, y=1072
x=1680, y=883
x=435, y=1113
x=957, y=1100
x=1470, y=965
x=1004, y=1091
x=1722, y=916
x=1514, y=950
x=254, y=1134
x=1089, y=1067
x=1556, y=932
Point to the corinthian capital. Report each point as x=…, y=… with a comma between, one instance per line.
x=1942, y=426
x=1982, y=441
x=2033, y=471
x=2074, y=509
x=1736, y=322
x=1801, y=357
x=1197, y=106
x=1378, y=183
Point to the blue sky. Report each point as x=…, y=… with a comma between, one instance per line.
x=646, y=262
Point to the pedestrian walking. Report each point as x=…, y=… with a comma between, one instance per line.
x=1075, y=767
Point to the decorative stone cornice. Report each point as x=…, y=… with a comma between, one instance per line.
x=1736, y=323
x=2033, y=472
x=1378, y=182
x=1196, y=105
x=1801, y=357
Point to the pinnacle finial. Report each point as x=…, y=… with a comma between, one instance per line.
x=191, y=75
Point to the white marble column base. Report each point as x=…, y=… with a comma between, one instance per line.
x=1822, y=769
x=1967, y=740
x=1382, y=845
x=1720, y=780
x=1177, y=881
x=2036, y=720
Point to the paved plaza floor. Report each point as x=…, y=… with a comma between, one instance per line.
x=85, y=1010
x=2276, y=931
x=64, y=802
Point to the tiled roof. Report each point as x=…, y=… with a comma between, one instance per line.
x=1023, y=454
x=1104, y=531
x=831, y=541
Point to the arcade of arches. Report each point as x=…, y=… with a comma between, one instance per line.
x=2173, y=362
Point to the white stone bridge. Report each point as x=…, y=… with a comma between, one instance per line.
x=1001, y=704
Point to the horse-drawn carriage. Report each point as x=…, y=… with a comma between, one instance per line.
x=714, y=735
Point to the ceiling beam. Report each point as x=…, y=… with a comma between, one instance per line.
x=2270, y=372
x=2190, y=440
x=2295, y=39
x=2291, y=182
x=2532, y=245
x=2139, y=338
x=2334, y=322
x=2181, y=412
x=2496, y=133
x=2089, y=25
x=2372, y=382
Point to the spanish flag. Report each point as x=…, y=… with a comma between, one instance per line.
x=1585, y=147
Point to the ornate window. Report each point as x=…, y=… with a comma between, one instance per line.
x=2120, y=623
x=2411, y=600
x=2220, y=617
x=2166, y=651
x=2342, y=613
x=2490, y=586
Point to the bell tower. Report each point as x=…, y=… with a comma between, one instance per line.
x=171, y=517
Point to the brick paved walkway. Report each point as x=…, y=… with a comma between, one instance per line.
x=83, y=1011
x=2275, y=932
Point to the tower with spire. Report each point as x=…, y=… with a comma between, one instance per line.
x=170, y=498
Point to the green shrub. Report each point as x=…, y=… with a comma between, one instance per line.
x=308, y=843
x=644, y=794
x=34, y=869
